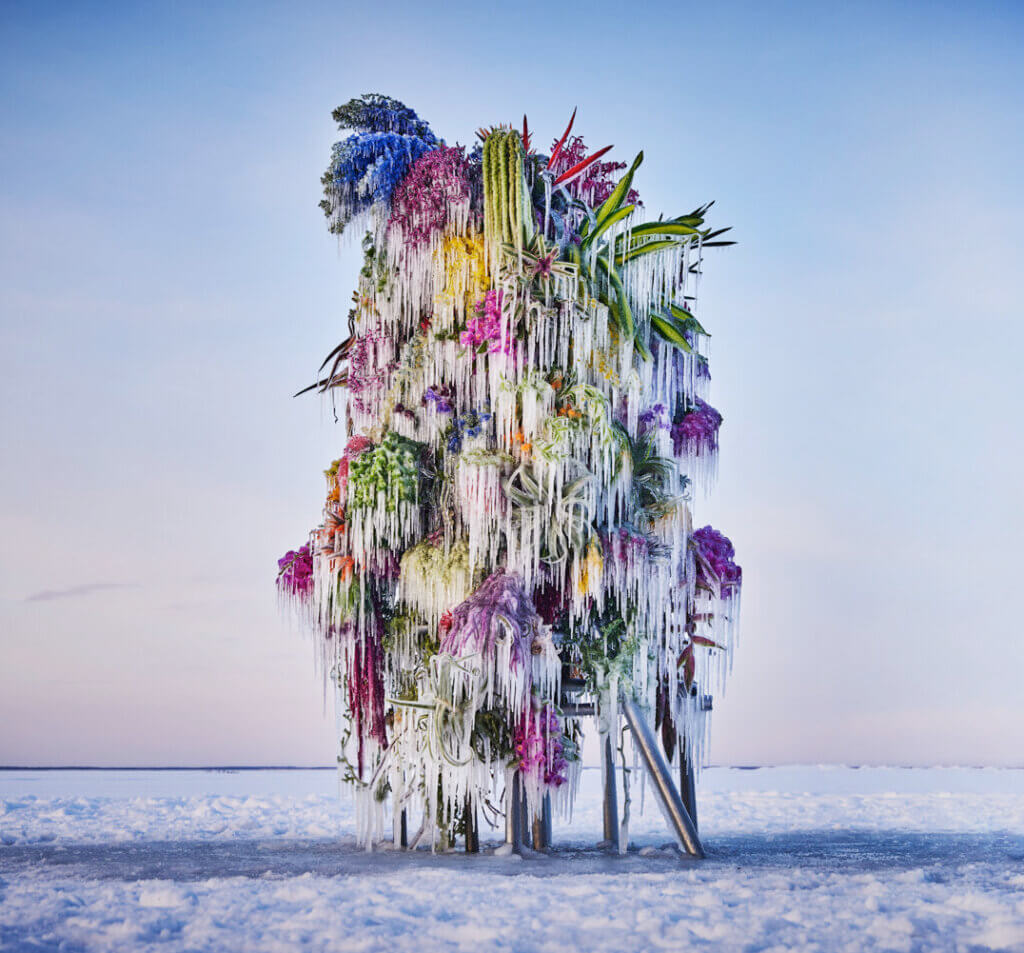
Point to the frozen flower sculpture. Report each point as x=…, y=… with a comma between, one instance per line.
x=507, y=545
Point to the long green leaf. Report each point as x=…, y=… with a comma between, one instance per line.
x=619, y=193
x=626, y=324
x=690, y=323
x=589, y=219
x=645, y=249
x=603, y=226
x=662, y=228
x=641, y=348
x=613, y=309
x=670, y=333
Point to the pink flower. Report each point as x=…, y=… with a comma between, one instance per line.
x=485, y=328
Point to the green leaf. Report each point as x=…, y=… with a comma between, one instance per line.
x=662, y=228
x=626, y=324
x=621, y=190
x=644, y=249
x=690, y=323
x=625, y=311
x=670, y=332
x=613, y=309
x=588, y=214
x=606, y=224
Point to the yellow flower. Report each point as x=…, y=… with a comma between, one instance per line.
x=593, y=569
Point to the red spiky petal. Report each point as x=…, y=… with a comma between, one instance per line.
x=557, y=151
x=580, y=166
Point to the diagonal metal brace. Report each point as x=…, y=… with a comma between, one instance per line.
x=664, y=786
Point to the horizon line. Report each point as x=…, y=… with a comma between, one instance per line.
x=332, y=767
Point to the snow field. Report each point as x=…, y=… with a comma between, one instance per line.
x=827, y=859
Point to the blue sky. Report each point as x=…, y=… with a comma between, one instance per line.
x=166, y=283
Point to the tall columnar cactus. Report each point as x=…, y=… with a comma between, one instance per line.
x=524, y=388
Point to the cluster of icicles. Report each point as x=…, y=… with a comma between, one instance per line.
x=492, y=514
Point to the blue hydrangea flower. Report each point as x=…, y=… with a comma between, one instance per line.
x=366, y=167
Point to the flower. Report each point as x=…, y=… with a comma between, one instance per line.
x=440, y=397
x=436, y=188
x=498, y=610
x=538, y=746
x=485, y=328
x=654, y=417
x=376, y=113
x=355, y=446
x=697, y=432
x=716, y=550
x=596, y=183
x=295, y=572
x=366, y=168
x=465, y=425
x=445, y=625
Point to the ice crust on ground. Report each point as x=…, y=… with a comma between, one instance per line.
x=799, y=858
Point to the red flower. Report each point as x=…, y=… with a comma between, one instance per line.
x=445, y=625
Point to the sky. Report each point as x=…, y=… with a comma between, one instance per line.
x=167, y=283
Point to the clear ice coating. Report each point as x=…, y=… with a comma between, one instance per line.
x=509, y=527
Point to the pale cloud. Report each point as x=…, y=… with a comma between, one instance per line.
x=75, y=592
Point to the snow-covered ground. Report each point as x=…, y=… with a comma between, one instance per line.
x=822, y=858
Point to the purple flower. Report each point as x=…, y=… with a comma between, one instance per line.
x=422, y=204
x=440, y=397
x=717, y=551
x=654, y=417
x=295, y=572
x=697, y=433
x=599, y=179
x=625, y=545
x=485, y=328
x=538, y=745
x=498, y=609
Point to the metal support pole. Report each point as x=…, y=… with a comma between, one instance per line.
x=525, y=824
x=514, y=828
x=542, y=826
x=687, y=783
x=671, y=804
x=472, y=832
x=510, y=816
x=401, y=830
x=611, y=796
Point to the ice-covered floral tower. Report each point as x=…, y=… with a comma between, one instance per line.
x=507, y=539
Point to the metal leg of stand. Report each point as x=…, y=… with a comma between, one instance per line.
x=542, y=826
x=611, y=797
x=688, y=784
x=664, y=787
x=525, y=821
x=472, y=832
x=401, y=830
x=510, y=819
x=514, y=816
